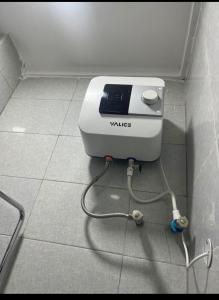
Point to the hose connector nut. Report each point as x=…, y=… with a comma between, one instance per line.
x=182, y=222
x=108, y=157
x=138, y=217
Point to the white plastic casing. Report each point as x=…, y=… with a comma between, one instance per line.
x=121, y=136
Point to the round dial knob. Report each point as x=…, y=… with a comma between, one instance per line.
x=150, y=96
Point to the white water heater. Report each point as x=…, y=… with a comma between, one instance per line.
x=123, y=117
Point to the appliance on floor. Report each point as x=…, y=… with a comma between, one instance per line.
x=123, y=117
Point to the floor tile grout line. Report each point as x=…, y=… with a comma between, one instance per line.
x=42, y=99
x=66, y=114
x=34, y=205
x=98, y=250
x=35, y=201
x=74, y=83
x=124, y=246
x=168, y=246
x=70, y=245
x=38, y=99
x=69, y=135
x=82, y=183
x=42, y=180
x=27, y=99
x=28, y=133
x=76, y=100
x=100, y=185
x=31, y=133
x=153, y=260
x=120, y=274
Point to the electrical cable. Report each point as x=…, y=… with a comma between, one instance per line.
x=189, y=264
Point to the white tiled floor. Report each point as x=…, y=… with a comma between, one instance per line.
x=25, y=155
x=34, y=116
x=46, y=89
x=70, y=124
x=140, y=276
x=43, y=165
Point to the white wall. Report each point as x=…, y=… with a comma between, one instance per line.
x=202, y=111
x=134, y=38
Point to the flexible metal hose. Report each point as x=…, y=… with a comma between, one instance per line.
x=156, y=198
x=94, y=215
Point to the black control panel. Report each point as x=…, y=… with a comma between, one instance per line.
x=115, y=99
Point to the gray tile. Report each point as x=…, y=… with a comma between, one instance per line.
x=33, y=116
x=199, y=60
x=215, y=105
x=202, y=130
x=24, y=191
x=46, y=88
x=155, y=212
x=212, y=38
x=5, y=92
x=204, y=208
x=193, y=95
x=174, y=93
x=149, y=179
x=159, y=212
x=213, y=287
x=44, y=268
x=174, y=124
x=202, y=280
x=143, y=277
x=70, y=163
x=177, y=254
x=202, y=114
x=58, y=217
x=25, y=155
x=147, y=241
x=81, y=89
x=215, y=264
x=174, y=162
x=70, y=126
x=4, y=241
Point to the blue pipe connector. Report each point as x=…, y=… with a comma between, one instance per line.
x=179, y=224
x=174, y=228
